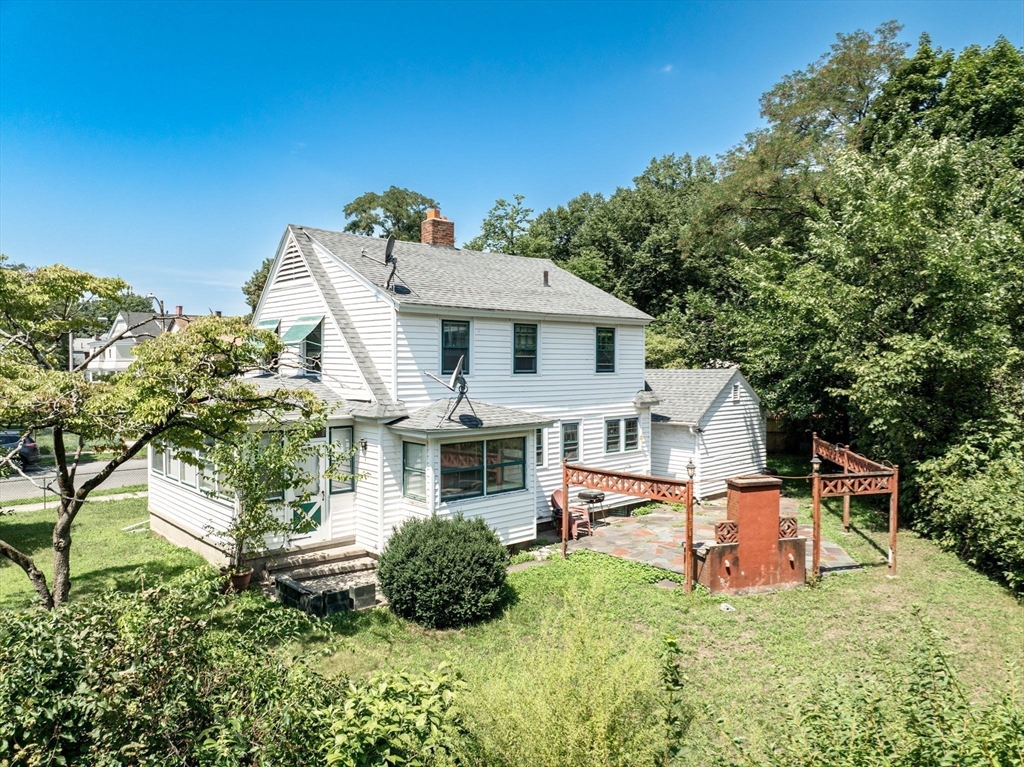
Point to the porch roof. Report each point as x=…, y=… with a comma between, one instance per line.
x=340, y=405
x=467, y=417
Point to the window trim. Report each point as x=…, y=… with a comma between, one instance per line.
x=406, y=470
x=579, y=451
x=350, y=485
x=597, y=350
x=319, y=369
x=540, y=454
x=617, y=423
x=466, y=367
x=625, y=441
x=535, y=350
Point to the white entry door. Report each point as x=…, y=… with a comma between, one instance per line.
x=313, y=513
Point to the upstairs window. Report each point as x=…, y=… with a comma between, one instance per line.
x=632, y=433
x=570, y=441
x=454, y=344
x=613, y=436
x=525, y=355
x=313, y=350
x=605, y=350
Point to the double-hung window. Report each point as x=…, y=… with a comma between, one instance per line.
x=613, y=436
x=506, y=464
x=525, y=352
x=632, y=434
x=454, y=344
x=605, y=350
x=570, y=441
x=414, y=470
x=341, y=436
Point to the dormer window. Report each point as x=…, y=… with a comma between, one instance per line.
x=273, y=326
x=308, y=335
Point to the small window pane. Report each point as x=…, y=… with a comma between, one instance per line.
x=632, y=433
x=208, y=478
x=570, y=441
x=502, y=479
x=462, y=471
x=173, y=467
x=342, y=436
x=157, y=461
x=188, y=474
x=612, y=436
x=414, y=467
x=606, y=350
x=525, y=349
x=539, y=445
x=506, y=464
x=454, y=344
x=312, y=349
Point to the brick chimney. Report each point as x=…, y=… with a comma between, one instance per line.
x=437, y=230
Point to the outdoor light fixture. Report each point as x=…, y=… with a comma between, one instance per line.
x=815, y=463
x=362, y=445
x=690, y=469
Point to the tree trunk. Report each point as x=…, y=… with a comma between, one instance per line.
x=35, y=575
x=62, y=550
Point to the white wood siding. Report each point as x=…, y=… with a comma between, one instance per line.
x=187, y=507
x=673, y=447
x=367, y=496
x=733, y=442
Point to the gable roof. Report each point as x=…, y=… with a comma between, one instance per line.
x=338, y=404
x=684, y=396
x=438, y=276
x=482, y=415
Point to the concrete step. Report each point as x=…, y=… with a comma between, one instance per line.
x=346, y=567
x=313, y=558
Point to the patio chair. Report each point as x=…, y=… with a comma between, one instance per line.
x=578, y=516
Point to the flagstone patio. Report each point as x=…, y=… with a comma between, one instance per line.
x=658, y=538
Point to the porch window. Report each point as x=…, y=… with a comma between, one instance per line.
x=277, y=494
x=506, y=464
x=462, y=470
x=208, y=477
x=613, y=436
x=342, y=437
x=173, y=467
x=605, y=350
x=414, y=470
x=454, y=344
x=157, y=461
x=188, y=474
x=632, y=433
x=570, y=441
x=525, y=354
x=539, y=445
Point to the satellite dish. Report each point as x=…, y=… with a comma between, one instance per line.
x=457, y=384
x=390, y=246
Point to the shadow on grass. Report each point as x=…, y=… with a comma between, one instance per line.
x=27, y=537
x=125, y=577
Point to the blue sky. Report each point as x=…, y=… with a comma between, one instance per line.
x=170, y=143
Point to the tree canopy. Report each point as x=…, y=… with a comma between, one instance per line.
x=397, y=211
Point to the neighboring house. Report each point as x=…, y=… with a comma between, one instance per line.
x=711, y=416
x=554, y=367
x=133, y=328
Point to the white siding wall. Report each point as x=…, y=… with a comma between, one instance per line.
x=187, y=507
x=566, y=387
x=367, y=495
x=371, y=313
x=673, y=447
x=733, y=442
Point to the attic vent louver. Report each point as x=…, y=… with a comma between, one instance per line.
x=292, y=265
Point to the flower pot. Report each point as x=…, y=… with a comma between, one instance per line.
x=240, y=581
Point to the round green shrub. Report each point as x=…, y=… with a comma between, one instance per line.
x=443, y=572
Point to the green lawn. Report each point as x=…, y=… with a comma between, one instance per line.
x=102, y=555
x=609, y=619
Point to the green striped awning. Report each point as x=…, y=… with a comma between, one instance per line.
x=271, y=325
x=303, y=326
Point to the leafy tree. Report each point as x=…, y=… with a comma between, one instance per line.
x=253, y=287
x=554, y=232
x=397, y=211
x=183, y=389
x=505, y=229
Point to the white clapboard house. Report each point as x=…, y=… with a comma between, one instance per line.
x=554, y=368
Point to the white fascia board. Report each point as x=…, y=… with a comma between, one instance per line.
x=282, y=246
x=430, y=310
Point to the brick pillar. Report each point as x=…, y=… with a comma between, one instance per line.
x=435, y=229
x=753, y=503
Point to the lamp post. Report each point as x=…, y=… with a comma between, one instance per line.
x=688, y=553
x=816, y=498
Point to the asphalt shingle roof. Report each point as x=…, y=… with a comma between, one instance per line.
x=482, y=415
x=684, y=396
x=431, y=275
x=340, y=406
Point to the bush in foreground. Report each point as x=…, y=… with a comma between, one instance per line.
x=443, y=573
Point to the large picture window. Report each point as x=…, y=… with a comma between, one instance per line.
x=632, y=433
x=342, y=437
x=462, y=470
x=606, y=350
x=613, y=436
x=525, y=355
x=570, y=441
x=414, y=470
x=454, y=344
x=506, y=464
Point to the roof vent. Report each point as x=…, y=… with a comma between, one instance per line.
x=292, y=266
x=546, y=285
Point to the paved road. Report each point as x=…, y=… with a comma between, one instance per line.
x=132, y=472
